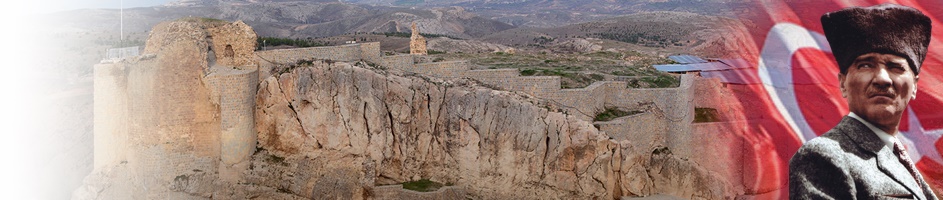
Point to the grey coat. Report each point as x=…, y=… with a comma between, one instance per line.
x=851, y=162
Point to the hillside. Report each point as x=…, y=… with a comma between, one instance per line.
x=552, y=13
x=299, y=19
x=454, y=22
x=650, y=32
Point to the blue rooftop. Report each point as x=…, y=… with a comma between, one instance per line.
x=686, y=59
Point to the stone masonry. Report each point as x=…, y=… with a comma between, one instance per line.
x=189, y=98
x=417, y=43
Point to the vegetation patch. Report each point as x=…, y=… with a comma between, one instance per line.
x=659, y=81
x=605, y=54
x=612, y=113
x=528, y=72
x=274, y=41
x=568, y=79
x=702, y=115
x=407, y=34
x=423, y=185
x=543, y=40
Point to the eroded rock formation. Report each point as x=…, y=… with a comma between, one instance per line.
x=495, y=144
x=335, y=130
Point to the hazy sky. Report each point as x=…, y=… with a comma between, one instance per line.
x=60, y=5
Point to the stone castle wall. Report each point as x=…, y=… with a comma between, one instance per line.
x=171, y=121
x=726, y=153
x=111, y=103
x=370, y=52
x=234, y=91
x=399, y=62
x=645, y=130
x=165, y=107
x=233, y=44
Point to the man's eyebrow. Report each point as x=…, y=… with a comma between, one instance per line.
x=895, y=63
x=869, y=58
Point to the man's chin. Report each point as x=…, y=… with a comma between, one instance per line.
x=883, y=113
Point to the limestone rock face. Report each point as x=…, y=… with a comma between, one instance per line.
x=390, y=129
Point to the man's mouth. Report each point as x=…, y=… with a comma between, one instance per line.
x=882, y=95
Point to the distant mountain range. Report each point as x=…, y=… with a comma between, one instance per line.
x=552, y=13
x=634, y=24
x=296, y=19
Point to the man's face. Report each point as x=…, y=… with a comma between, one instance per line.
x=878, y=88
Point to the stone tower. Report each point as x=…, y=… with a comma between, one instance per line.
x=417, y=43
x=185, y=106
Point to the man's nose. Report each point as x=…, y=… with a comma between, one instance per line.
x=882, y=79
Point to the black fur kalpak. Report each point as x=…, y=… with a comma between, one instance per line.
x=885, y=28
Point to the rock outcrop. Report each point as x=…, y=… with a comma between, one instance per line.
x=495, y=144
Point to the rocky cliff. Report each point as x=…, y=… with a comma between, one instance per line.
x=384, y=128
x=334, y=130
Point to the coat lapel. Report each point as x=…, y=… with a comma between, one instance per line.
x=887, y=161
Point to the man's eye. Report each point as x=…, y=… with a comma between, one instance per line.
x=898, y=68
x=865, y=65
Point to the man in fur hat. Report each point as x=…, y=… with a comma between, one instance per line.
x=879, y=51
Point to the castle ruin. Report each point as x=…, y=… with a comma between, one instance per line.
x=417, y=43
x=190, y=98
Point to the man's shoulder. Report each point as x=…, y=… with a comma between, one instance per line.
x=833, y=140
x=831, y=146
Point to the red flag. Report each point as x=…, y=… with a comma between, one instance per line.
x=790, y=92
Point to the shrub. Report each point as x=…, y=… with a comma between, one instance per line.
x=422, y=185
x=528, y=72
x=705, y=115
x=612, y=113
x=274, y=41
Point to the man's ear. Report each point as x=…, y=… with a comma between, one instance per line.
x=841, y=85
x=914, y=94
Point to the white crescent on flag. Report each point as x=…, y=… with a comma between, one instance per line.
x=775, y=71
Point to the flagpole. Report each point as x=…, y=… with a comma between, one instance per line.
x=121, y=16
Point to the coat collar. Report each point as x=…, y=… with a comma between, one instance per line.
x=886, y=159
